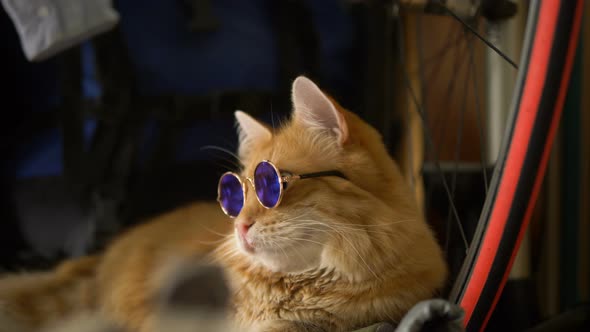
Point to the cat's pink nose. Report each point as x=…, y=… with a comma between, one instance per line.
x=242, y=230
x=243, y=227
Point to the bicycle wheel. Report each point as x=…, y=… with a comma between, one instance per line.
x=545, y=65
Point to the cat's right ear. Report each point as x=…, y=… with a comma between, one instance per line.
x=316, y=110
x=250, y=132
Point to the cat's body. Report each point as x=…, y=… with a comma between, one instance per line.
x=123, y=283
x=335, y=255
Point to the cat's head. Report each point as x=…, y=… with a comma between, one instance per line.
x=320, y=222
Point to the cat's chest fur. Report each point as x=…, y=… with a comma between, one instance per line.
x=320, y=297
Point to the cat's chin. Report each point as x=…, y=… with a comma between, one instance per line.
x=246, y=245
x=284, y=261
x=290, y=259
x=286, y=266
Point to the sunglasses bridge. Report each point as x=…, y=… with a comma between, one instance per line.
x=284, y=179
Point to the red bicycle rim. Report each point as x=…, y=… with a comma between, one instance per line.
x=519, y=175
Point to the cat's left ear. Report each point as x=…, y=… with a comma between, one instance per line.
x=250, y=132
x=315, y=110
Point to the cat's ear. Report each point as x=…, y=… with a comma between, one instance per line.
x=315, y=110
x=250, y=131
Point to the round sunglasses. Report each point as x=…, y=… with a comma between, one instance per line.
x=268, y=182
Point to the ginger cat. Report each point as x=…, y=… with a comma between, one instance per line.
x=336, y=254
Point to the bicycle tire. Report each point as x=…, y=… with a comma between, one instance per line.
x=547, y=57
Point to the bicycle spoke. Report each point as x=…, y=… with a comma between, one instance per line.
x=478, y=111
x=490, y=45
x=459, y=142
x=420, y=49
x=440, y=131
x=432, y=75
x=410, y=145
x=457, y=68
x=429, y=143
x=450, y=45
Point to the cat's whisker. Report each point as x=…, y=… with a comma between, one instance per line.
x=295, y=248
x=334, y=248
x=291, y=219
x=234, y=162
x=272, y=120
x=229, y=249
x=219, y=148
x=329, y=246
x=365, y=225
x=288, y=231
x=306, y=227
x=349, y=229
x=361, y=227
x=339, y=229
x=231, y=167
x=226, y=250
x=212, y=231
x=291, y=238
x=227, y=256
x=382, y=224
x=275, y=243
x=228, y=238
x=209, y=242
x=352, y=246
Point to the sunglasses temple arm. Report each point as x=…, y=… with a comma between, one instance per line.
x=320, y=174
x=290, y=178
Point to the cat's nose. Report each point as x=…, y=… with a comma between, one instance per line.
x=243, y=226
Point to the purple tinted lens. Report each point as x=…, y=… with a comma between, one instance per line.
x=231, y=195
x=268, y=184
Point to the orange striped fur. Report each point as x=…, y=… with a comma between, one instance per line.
x=335, y=255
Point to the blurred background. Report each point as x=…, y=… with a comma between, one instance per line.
x=128, y=115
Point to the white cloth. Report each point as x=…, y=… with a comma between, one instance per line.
x=47, y=27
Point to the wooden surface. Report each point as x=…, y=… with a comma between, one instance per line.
x=412, y=145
